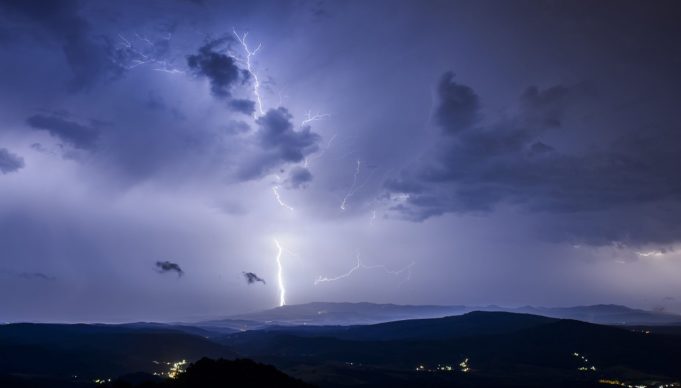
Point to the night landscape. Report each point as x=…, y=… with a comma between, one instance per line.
x=340, y=193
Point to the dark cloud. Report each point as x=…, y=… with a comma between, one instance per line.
x=545, y=106
x=246, y=107
x=539, y=148
x=252, y=278
x=459, y=107
x=28, y=275
x=477, y=168
x=235, y=127
x=35, y=275
x=276, y=133
x=220, y=69
x=167, y=266
x=135, y=50
x=298, y=177
x=87, y=55
x=78, y=135
x=10, y=162
x=279, y=143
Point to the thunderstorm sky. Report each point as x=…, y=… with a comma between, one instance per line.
x=156, y=154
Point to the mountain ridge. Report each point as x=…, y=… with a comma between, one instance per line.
x=366, y=313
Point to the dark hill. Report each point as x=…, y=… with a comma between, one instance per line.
x=471, y=324
x=496, y=343
x=345, y=314
x=96, y=351
x=207, y=373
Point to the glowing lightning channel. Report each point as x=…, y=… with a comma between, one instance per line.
x=352, y=188
x=129, y=56
x=309, y=117
x=280, y=277
x=323, y=279
x=373, y=217
x=360, y=265
x=249, y=68
x=328, y=145
x=275, y=190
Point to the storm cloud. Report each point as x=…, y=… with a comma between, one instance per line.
x=88, y=55
x=244, y=106
x=299, y=177
x=279, y=143
x=168, y=266
x=10, y=162
x=75, y=134
x=252, y=278
x=477, y=168
x=220, y=69
x=130, y=130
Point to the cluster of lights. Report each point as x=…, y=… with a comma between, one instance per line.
x=463, y=367
x=629, y=385
x=176, y=368
x=642, y=331
x=585, y=367
x=101, y=381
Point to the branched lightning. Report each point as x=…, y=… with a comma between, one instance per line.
x=280, y=276
x=249, y=67
x=323, y=279
x=309, y=117
x=129, y=56
x=360, y=265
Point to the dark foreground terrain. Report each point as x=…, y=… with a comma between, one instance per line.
x=477, y=349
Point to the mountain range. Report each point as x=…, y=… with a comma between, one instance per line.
x=349, y=344
x=326, y=313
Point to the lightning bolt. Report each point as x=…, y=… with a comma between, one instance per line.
x=360, y=265
x=309, y=117
x=275, y=190
x=129, y=56
x=328, y=145
x=280, y=276
x=373, y=217
x=249, y=67
x=352, y=188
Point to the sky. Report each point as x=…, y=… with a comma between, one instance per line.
x=180, y=160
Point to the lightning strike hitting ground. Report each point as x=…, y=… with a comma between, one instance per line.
x=249, y=67
x=360, y=265
x=280, y=276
